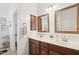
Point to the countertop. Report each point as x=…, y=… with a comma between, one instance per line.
x=69, y=44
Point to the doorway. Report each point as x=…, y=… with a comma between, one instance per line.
x=15, y=28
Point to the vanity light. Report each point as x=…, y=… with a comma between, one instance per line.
x=48, y=9
x=54, y=7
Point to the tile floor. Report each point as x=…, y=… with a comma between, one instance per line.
x=9, y=52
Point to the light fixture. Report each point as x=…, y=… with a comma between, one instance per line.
x=54, y=7
x=48, y=9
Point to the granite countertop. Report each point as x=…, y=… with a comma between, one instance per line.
x=69, y=44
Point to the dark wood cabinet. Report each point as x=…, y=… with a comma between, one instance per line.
x=33, y=47
x=37, y=50
x=62, y=50
x=42, y=48
x=52, y=52
x=44, y=51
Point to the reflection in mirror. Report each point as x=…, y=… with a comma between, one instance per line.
x=43, y=23
x=33, y=22
x=66, y=20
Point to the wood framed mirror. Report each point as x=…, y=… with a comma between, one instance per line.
x=67, y=19
x=43, y=23
x=32, y=22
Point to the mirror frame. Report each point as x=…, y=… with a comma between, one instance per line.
x=40, y=23
x=31, y=23
x=73, y=32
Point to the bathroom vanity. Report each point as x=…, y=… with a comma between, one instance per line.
x=37, y=47
x=66, y=21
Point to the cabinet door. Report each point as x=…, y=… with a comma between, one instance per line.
x=33, y=47
x=51, y=52
x=37, y=50
x=30, y=47
x=33, y=52
x=44, y=51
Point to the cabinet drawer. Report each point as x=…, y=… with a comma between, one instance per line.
x=34, y=41
x=51, y=52
x=44, y=44
x=63, y=50
x=37, y=50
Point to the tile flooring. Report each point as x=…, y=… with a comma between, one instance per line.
x=9, y=52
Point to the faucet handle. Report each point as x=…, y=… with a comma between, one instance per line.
x=65, y=39
x=51, y=36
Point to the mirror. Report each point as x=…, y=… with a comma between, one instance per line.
x=66, y=20
x=32, y=22
x=43, y=23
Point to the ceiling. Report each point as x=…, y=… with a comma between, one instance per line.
x=40, y=6
x=43, y=6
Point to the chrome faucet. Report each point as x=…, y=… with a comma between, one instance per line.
x=65, y=39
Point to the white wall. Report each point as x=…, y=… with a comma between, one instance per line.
x=24, y=12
